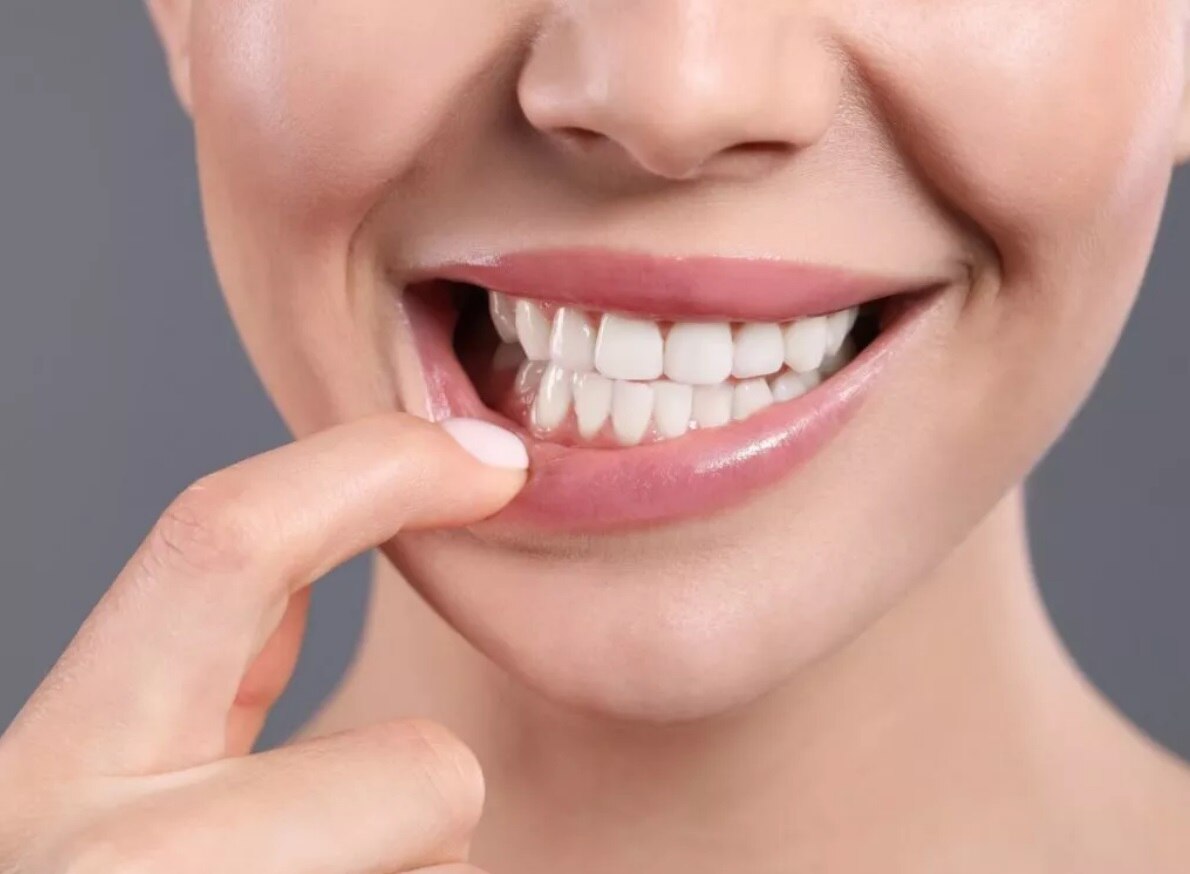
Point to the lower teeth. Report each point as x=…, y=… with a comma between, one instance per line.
x=611, y=380
x=561, y=404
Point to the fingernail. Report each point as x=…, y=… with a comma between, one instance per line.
x=490, y=444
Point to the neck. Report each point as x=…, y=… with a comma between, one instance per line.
x=949, y=718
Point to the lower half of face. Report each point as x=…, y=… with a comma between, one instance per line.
x=782, y=296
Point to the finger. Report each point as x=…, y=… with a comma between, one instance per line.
x=149, y=681
x=267, y=677
x=396, y=797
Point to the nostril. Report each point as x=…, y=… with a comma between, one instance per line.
x=578, y=136
x=762, y=149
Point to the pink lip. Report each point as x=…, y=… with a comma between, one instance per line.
x=695, y=287
x=579, y=489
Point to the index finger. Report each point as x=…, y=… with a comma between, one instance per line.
x=147, y=683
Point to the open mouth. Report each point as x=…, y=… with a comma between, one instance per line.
x=575, y=377
x=651, y=389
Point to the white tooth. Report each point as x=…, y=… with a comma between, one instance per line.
x=810, y=380
x=528, y=377
x=672, y=403
x=592, y=402
x=805, y=343
x=553, y=398
x=628, y=348
x=712, y=405
x=838, y=325
x=698, y=353
x=759, y=350
x=788, y=386
x=503, y=310
x=632, y=408
x=836, y=361
x=572, y=340
x=533, y=330
x=751, y=396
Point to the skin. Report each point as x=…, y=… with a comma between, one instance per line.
x=760, y=689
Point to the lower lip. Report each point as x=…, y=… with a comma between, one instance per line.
x=576, y=490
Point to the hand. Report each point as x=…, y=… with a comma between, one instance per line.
x=134, y=755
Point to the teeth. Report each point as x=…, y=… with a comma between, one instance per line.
x=698, y=353
x=805, y=344
x=629, y=348
x=553, y=398
x=672, y=405
x=751, y=396
x=503, y=309
x=788, y=386
x=533, y=330
x=572, y=341
x=528, y=378
x=632, y=408
x=759, y=350
x=838, y=326
x=592, y=402
x=651, y=383
x=712, y=405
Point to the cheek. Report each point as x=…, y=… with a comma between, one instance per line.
x=315, y=107
x=1042, y=122
x=1048, y=128
x=306, y=113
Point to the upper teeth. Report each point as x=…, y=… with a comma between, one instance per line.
x=633, y=371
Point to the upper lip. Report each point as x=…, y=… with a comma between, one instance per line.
x=699, y=287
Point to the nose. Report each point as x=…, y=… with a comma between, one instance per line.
x=681, y=88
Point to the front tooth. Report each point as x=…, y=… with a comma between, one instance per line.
x=805, y=343
x=628, y=348
x=788, y=386
x=698, y=353
x=750, y=397
x=553, y=398
x=533, y=330
x=632, y=407
x=572, y=340
x=503, y=310
x=712, y=405
x=838, y=325
x=592, y=402
x=672, y=404
x=759, y=350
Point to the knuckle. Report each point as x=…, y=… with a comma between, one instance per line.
x=208, y=529
x=452, y=775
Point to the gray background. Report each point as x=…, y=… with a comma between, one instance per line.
x=121, y=380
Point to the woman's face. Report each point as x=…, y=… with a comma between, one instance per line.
x=985, y=176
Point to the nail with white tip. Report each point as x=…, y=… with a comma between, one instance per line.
x=488, y=443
